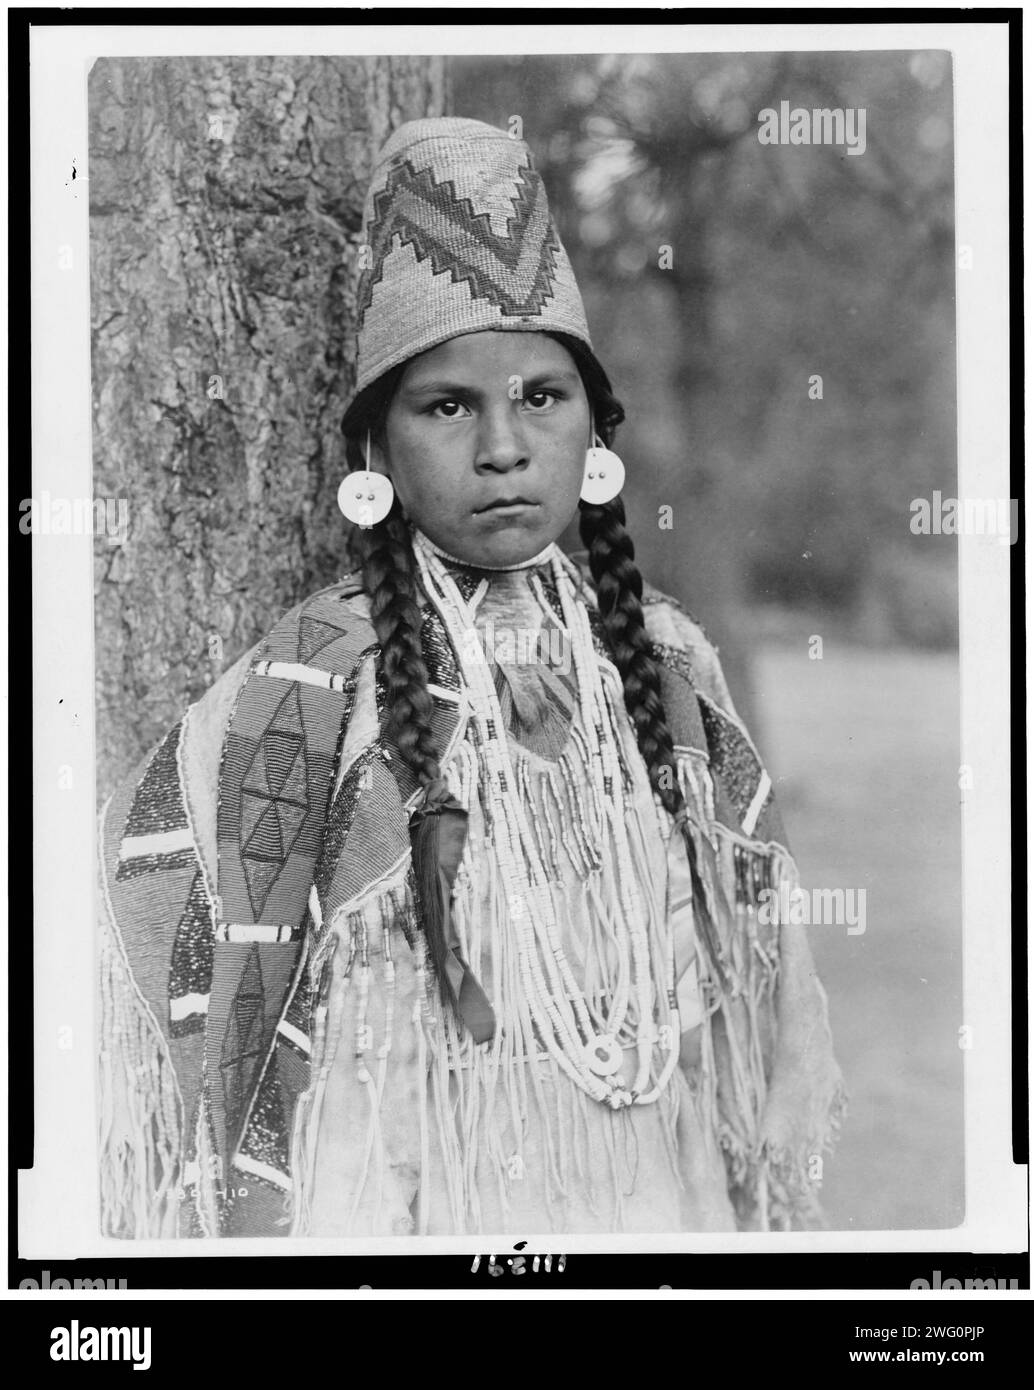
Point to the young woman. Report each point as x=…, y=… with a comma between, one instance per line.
x=437, y=913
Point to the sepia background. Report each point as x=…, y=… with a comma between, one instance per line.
x=720, y=278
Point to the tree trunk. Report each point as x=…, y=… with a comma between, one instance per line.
x=226, y=201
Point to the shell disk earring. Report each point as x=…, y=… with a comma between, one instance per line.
x=366, y=498
x=604, y=475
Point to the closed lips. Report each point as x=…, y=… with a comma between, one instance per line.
x=508, y=502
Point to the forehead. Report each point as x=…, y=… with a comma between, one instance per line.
x=478, y=356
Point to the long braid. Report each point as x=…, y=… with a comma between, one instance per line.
x=619, y=588
x=619, y=592
x=389, y=578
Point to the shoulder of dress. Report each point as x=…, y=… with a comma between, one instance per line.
x=679, y=639
x=669, y=622
x=680, y=642
x=347, y=591
x=329, y=632
x=330, y=625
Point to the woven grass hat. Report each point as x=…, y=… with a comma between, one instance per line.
x=459, y=239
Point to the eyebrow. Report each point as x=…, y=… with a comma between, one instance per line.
x=561, y=376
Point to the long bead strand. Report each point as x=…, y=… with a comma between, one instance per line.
x=558, y=1007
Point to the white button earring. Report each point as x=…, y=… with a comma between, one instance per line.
x=604, y=475
x=366, y=498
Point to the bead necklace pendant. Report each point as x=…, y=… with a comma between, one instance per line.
x=603, y=1055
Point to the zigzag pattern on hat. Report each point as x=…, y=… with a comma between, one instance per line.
x=515, y=272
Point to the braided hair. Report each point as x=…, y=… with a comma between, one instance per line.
x=384, y=555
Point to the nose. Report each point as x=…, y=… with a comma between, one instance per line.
x=501, y=445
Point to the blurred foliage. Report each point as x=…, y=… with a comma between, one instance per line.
x=786, y=262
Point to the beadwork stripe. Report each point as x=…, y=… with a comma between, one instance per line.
x=247, y=932
x=165, y=842
x=186, y=1005
x=296, y=671
x=262, y=1170
x=760, y=797
x=294, y=1035
x=453, y=697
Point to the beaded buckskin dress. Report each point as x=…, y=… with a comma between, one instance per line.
x=508, y=1143
x=275, y=1056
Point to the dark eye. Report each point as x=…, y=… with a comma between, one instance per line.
x=541, y=400
x=448, y=410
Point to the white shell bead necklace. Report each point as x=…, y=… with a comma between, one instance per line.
x=557, y=1005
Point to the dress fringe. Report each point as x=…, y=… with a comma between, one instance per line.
x=477, y=1094
x=774, y=1186
x=141, y=1112
x=357, y=937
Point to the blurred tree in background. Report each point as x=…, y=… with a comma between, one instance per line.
x=720, y=276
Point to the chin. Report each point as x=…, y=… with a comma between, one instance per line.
x=499, y=541
x=510, y=545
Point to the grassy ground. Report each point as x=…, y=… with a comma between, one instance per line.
x=863, y=748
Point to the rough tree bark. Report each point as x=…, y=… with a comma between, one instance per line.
x=226, y=200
